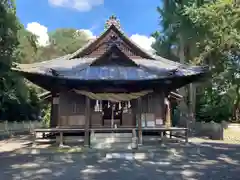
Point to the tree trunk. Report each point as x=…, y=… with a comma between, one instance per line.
x=182, y=105
x=187, y=109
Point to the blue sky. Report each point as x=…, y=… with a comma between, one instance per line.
x=137, y=17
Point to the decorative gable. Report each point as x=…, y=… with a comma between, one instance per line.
x=110, y=39
x=112, y=36
x=114, y=57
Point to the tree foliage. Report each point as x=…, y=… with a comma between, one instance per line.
x=47, y=116
x=11, y=90
x=207, y=32
x=220, y=49
x=177, y=31
x=27, y=48
x=18, y=98
x=62, y=41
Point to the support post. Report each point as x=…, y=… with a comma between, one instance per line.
x=186, y=135
x=163, y=133
x=139, y=112
x=61, y=139
x=87, y=123
x=167, y=113
x=34, y=139
x=134, y=139
x=54, y=110
x=191, y=117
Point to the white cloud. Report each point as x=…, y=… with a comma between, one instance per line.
x=88, y=33
x=144, y=42
x=80, y=5
x=40, y=31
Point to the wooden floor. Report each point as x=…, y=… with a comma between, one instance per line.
x=104, y=129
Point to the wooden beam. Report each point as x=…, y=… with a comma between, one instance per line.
x=87, y=123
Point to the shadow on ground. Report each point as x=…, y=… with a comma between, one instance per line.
x=172, y=161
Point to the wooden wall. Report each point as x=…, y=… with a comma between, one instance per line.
x=152, y=110
x=72, y=111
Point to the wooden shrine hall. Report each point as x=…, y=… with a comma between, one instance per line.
x=110, y=85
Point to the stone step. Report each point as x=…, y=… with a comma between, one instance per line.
x=120, y=135
x=111, y=138
x=115, y=145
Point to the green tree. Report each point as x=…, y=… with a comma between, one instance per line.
x=205, y=32
x=177, y=41
x=8, y=39
x=27, y=49
x=62, y=41
x=17, y=101
x=9, y=27
x=220, y=48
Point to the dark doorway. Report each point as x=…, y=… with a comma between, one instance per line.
x=112, y=114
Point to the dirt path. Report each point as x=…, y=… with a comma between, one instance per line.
x=12, y=144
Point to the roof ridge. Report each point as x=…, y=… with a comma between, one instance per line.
x=82, y=48
x=88, y=44
x=135, y=44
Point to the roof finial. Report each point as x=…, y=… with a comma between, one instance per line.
x=112, y=21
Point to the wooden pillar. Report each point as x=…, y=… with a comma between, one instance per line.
x=87, y=123
x=54, y=110
x=163, y=110
x=139, y=113
x=167, y=112
x=191, y=117
x=162, y=104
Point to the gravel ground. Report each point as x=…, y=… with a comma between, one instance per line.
x=232, y=135
x=200, y=160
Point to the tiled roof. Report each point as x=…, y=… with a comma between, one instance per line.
x=56, y=64
x=80, y=68
x=151, y=67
